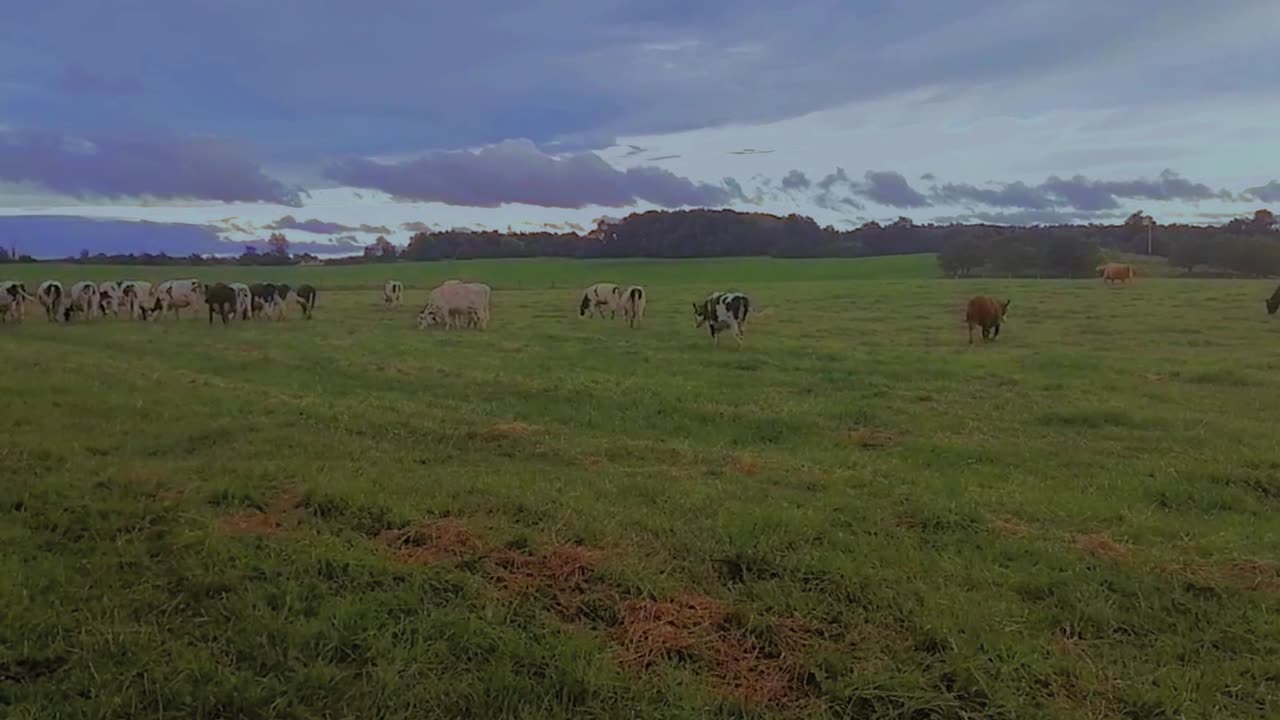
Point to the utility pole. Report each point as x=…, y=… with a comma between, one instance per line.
x=1149, y=222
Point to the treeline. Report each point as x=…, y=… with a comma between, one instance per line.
x=1244, y=245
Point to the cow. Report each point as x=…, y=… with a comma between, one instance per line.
x=244, y=300
x=391, y=293
x=599, y=298
x=456, y=303
x=268, y=298
x=109, y=298
x=987, y=313
x=220, y=298
x=138, y=297
x=1273, y=302
x=633, y=305
x=722, y=311
x=176, y=294
x=82, y=301
x=50, y=294
x=1116, y=272
x=305, y=296
x=13, y=298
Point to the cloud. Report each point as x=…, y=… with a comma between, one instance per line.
x=156, y=166
x=928, y=177
x=516, y=171
x=416, y=226
x=892, y=189
x=1266, y=193
x=1079, y=192
x=79, y=80
x=795, y=180
x=55, y=236
x=630, y=69
x=1025, y=217
x=320, y=227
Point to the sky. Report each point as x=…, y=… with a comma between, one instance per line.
x=335, y=123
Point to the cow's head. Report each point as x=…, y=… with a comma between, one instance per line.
x=428, y=317
x=1004, y=308
x=1273, y=304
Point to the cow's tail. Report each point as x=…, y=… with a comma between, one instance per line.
x=746, y=310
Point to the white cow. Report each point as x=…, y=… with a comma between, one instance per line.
x=391, y=293
x=601, y=298
x=109, y=298
x=722, y=311
x=244, y=300
x=82, y=301
x=138, y=298
x=176, y=294
x=13, y=300
x=633, y=305
x=50, y=294
x=456, y=303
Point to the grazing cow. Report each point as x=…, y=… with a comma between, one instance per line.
x=1273, y=302
x=50, y=294
x=599, y=298
x=13, y=298
x=138, y=297
x=221, y=298
x=176, y=294
x=268, y=298
x=456, y=303
x=722, y=311
x=633, y=305
x=305, y=296
x=1116, y=272
x=391, y=293
x=987, y=313
x=244, y=300
x=109, y=298
x=81, y=301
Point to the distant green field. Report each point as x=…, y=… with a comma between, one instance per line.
x=514, y=274
x=856, y=515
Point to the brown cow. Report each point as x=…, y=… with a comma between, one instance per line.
x=1116, y=272
x=988, y=313
x=1273, y=302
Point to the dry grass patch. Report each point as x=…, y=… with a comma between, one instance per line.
x=869, y=437
x=432, y=541
x=1101, y=545
x=1246, y=574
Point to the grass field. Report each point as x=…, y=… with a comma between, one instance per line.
x=857, y=515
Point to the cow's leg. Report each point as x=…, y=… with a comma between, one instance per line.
x=996, y=333
x=986, y=333
x=970, y=333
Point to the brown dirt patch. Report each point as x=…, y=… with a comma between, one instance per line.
x=250, y=523
x=1247, y=574
x=745, y=465
x=512, y=429
x=1101, y=545
x=1010, y=527
x=869, y=438
x=563, y=571
x=432, y=541
x=697, y=627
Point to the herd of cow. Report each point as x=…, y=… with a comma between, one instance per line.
x=141, y=300
x=452, y=304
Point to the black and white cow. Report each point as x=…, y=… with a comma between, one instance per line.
x=722, y=311
x=268, y=298
x=305, y=296
x=138, y=298
x=50, y=294
x=81, y=301
x=221, y=298
x=13, y=298
x=109, y=298
x=1273, y=302
x=633, y=305
x=391, y=293
x=244, y=300
x=177, y=294
x=599, y=299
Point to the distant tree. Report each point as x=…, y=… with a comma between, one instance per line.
x=250, y=250
x=1263, y=221
x=380, y=249
x=1189, y=250
x=1071, y=256
x=278, y=244
x=4, y=255
x=963, y=256
x=84, y=255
